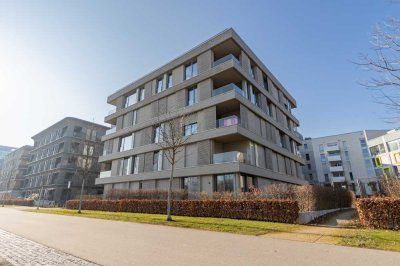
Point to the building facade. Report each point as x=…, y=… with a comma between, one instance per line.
x=13, y=171
x=341, y=160
x=385, y=152
x=4, y=150
x=57, y=155
x=242, y=130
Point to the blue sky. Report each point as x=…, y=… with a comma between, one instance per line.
x=63, y=58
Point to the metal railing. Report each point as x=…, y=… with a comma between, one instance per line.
x=228, y=88
x=229, y=157
x=226, y=58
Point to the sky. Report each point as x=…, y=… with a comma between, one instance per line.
x=63, y=58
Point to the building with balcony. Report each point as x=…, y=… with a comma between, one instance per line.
x=341, y=160
x=243, y=132
x=13, y=171
x=4, y=150
x=57, y=153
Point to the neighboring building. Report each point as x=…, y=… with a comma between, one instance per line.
x=13, y=171
x=4, y=150
x=341, y=160
x=244, y=132
x=56, y=153
x=385, y=151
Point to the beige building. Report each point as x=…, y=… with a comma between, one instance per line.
x=243, y=132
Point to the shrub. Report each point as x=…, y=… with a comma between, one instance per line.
x=390, y=186
x=380, y=213
x=19, y=202
x=285, y=211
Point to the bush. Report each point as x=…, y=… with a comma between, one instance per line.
x=390, y=186
x=19, y=202
x=379, y=213
x=285, y=211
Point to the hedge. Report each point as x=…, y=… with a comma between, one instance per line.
x=379, y=213
x=285, y=211
x=19, y=202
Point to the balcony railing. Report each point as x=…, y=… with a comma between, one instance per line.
x=331, y=148
x=105, y=174
x=226, y=58
x=338, y=179
x=227, y=88
x=228, y=121
x=113, y=129
x=228, y=157
x=336, y=168
x=333, y=158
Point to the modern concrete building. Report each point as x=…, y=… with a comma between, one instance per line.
x=341, y=160
x=243, y=132
x=385, y=152
x=58, y=151
x=13, y=171
x=4, y=150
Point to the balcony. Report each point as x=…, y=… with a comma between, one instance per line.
x=228, y=157
x=228, y=121
x=331, y=148
x=336, y=168
x=226, y=58
x=105, y=174
x=113, y=129
x=338, y=179
x=228, y=88
x=333, y=158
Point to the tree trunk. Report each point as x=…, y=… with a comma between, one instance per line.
x=80, y=198
x=169, y=200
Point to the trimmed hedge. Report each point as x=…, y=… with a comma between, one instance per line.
x=285, y=211
x=379, y=213
x=19, y=202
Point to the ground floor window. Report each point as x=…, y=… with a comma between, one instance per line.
x=225, y=183
x=191, y=183
x=247, y=183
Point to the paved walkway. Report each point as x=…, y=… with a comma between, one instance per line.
x=16, y=250
x=122, y=243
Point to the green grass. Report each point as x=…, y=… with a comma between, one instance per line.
x=368, y=238
x=364, y=238
x=212, y=224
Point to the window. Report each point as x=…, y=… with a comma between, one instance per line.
x=157, y=161
x=190, y=129
x=282, y=141
x=305, y=146
x=307, y=156
x=77, y=132
x=126, y=143
x=88, y=150
x=193, y=96
x=344, y=144
x=74, y=147
x=63, y=131
x=169, y=80
x=323, y=158
x=125, y=166
x=191, y=183
x=346, y=155
x=310, y=176
x=321, y=148
x=140, y=93
x=309, y=166
x=190, y=70
x=265, y=83
x=252, y=71
x=159, y=87
x=393, y=145
x=351, y=176
x=131, y=99
x=134, y=117
x=157, y=134
x=135, y=164
x=253, y=95
x=57, y=162
x=225, y=183
x=326, y=177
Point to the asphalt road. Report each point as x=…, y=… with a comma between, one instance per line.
x=122, y=243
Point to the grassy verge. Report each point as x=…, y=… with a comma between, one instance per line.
x=212, y=224
x=365, y=238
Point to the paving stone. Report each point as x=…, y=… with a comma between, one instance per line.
x=16, y=250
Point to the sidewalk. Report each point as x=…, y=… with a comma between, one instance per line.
x=122, y=243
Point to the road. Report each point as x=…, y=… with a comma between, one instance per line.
x=122, y=243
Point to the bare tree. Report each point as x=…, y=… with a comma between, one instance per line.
x=86, y=164
x=172, y=138
x=384, y=63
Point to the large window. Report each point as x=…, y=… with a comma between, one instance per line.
x=169, y=80
x=225, y=183
x=191, y=183
x=157, y=161
x=193, y=96
x=126, y=143
x=282, y=141
x=191, y=70
x=131, y=99
x=190, y=129
x=160, y=86
x=393, y=145
x=157, y=133
x=125, y=166
x=140, y=94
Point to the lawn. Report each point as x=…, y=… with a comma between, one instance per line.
x=365, y=238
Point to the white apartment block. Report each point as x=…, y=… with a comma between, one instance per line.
x=342, y=160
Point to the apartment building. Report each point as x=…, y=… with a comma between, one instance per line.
x=13, y=171
x=57, y=153
x=341, y=160
x=242, y=130
x=4, y=150
x=385, y=152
